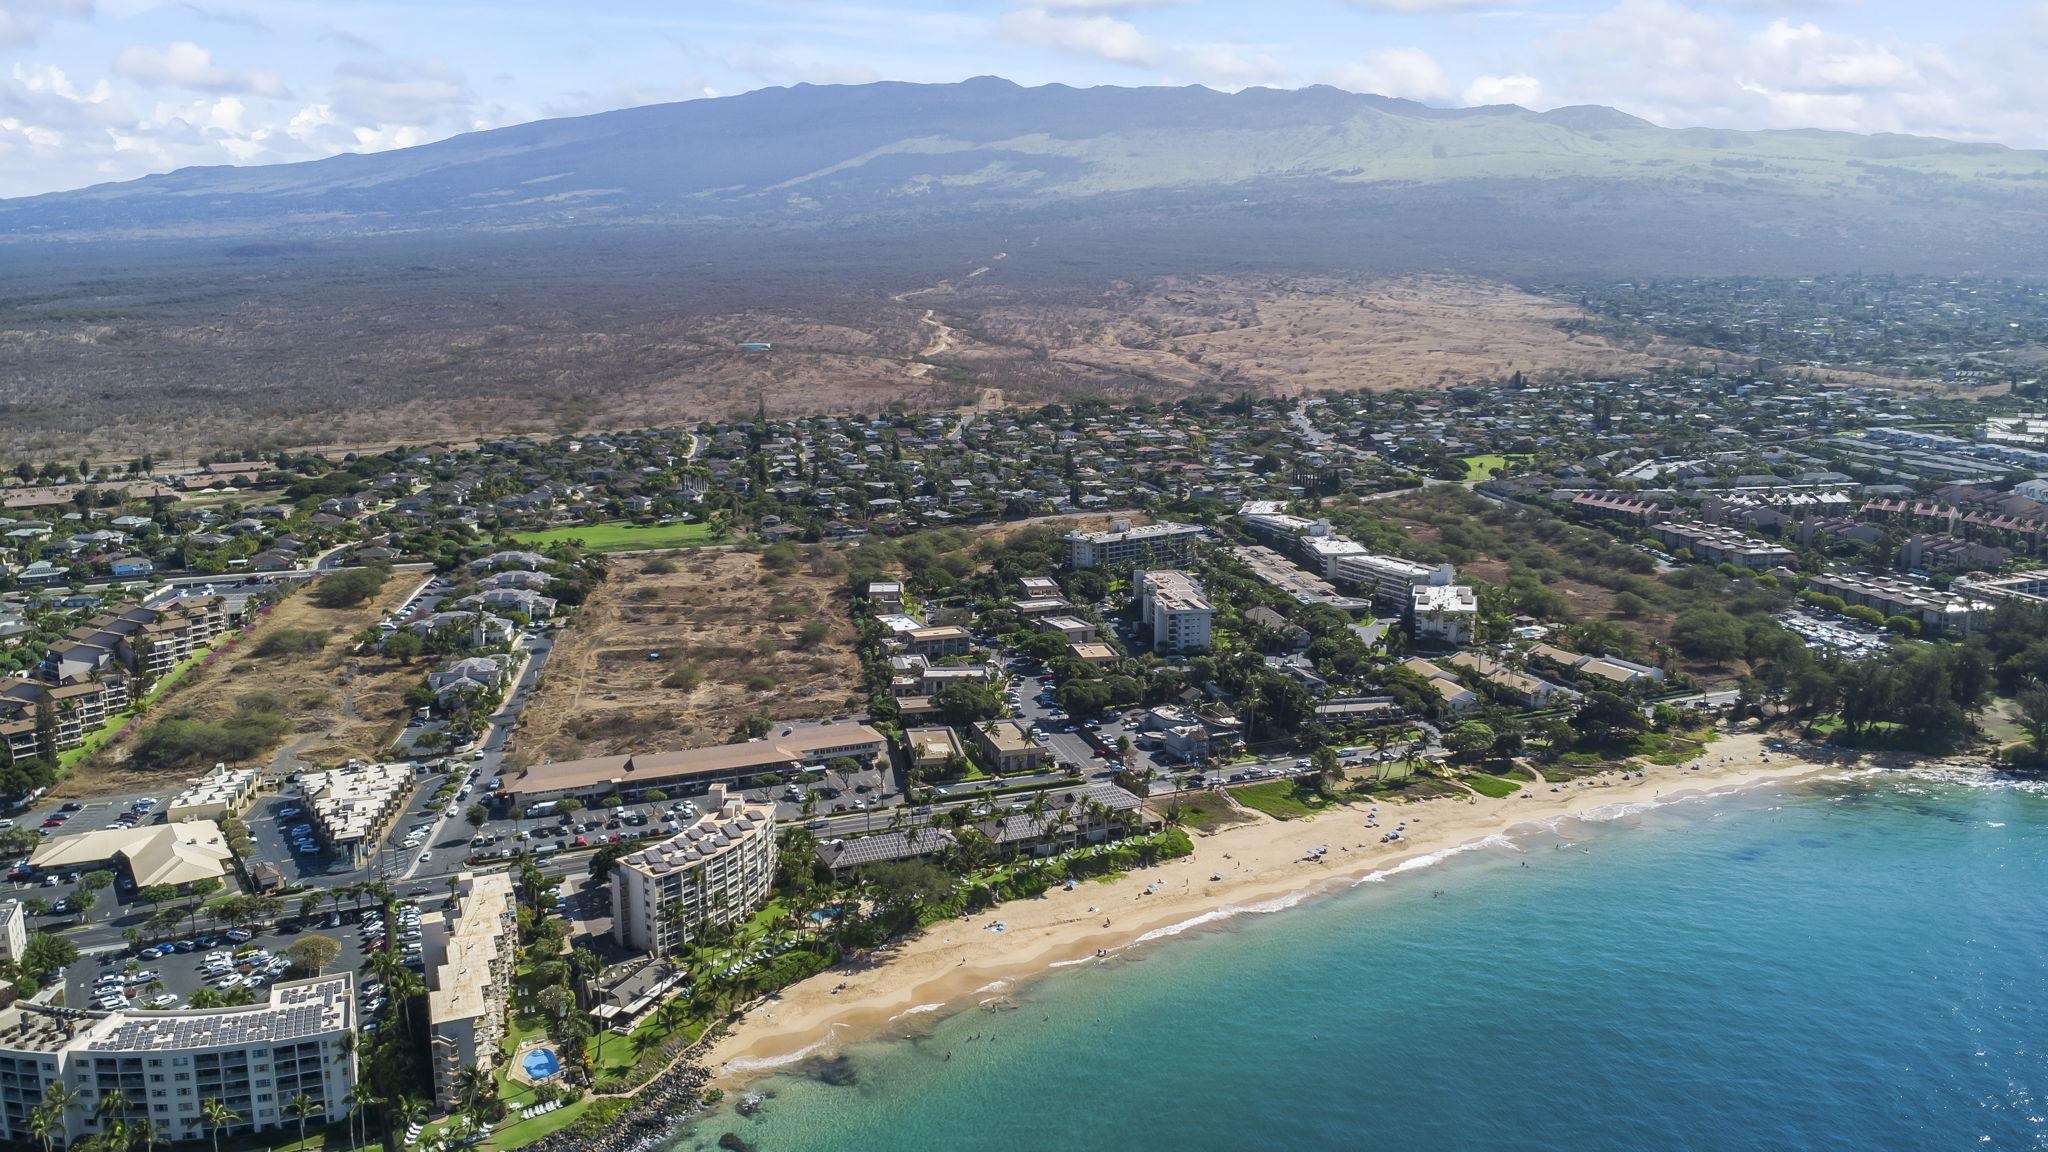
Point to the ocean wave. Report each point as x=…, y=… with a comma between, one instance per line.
x=994, y=986
x=917, y=1009
x=744, y=1064
x=1227, y=912
x=1429, y=859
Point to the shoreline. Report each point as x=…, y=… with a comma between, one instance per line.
x=1264, y=866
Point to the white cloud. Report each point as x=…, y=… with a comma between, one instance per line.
x=184, y=64
x=25, y=21
x=1514, y=89
x=1425, y=5
x=1103, y=37
x=1409, y=73
x=1107, y=5
x=1227, y=66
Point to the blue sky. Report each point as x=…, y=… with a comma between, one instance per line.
x=94, y=90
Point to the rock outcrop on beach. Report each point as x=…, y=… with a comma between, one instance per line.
x=653, y=1117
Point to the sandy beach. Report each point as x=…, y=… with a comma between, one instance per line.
x=1261, y=866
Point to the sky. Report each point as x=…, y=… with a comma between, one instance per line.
x=99, y=90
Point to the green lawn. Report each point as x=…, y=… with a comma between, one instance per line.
x=1207, y=811
x=1489, y=465
x=619, y=536
x=1493, y=786
x=1280, y=799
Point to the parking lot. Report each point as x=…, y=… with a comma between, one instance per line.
x=213, y=958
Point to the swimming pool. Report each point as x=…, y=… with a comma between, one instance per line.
x=540, y=1063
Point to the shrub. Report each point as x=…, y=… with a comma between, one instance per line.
x=350, y=588
x=292, y=642
x=686, y=678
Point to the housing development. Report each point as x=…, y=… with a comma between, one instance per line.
x=461, y=793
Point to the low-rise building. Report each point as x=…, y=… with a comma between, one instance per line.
x=937, y=642
x=175, y=854
x=885, y=595
x=1958, y=610
x=1008, y=747
x=351, y=806
x=716, y=871
x=222, y=792
x=1709, y=544
x=687, y=771
x=1529, y=691
x=1073, y=629
x=931, y=749
x=1095, y=654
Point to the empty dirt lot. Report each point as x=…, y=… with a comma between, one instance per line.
x=339, y=706
x=726, y=637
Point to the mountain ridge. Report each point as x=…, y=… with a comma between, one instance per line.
x=810, y=155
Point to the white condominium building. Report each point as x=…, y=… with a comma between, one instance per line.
x=1444, y=613
x=1175, y=610
x=717, y=870
x=1388, y=579
x=470, y=951
x=1123, y=546
x=255, y=1059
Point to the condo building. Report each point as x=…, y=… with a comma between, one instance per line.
x=717, y=870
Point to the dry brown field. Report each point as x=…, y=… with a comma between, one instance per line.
x=342, y=706
x=728, y=631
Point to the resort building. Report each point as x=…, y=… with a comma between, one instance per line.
x=1445, y=613
x=81, y=709
x=1175, y=611
x=1095, y=654
x=1957, y=610
x=692, y=769
x=351, y=806
x=2029, y=588
x=1124, y=546
x=255, y=1059
x=1039, y=588
x=469, y=951
x=1711, y=545
x=175, y=854
x=1452, y=692
x=1388, y=580
x=222, y=792
x=717, y=870
x=1612, y=669
x=1008, y=747
x=1522, y=688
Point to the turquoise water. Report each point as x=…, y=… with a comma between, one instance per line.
x=1854, y=964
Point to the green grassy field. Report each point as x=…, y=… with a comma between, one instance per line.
x=1493, y=786
x=1489, y=465
x=1280, y=799
x=619, y=536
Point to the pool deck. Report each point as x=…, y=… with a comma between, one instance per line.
x=518, y=1072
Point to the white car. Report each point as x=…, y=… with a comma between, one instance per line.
x=426, y=857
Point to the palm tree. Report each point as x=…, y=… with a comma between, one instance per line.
x=60, y=1098
x=301, y=1107
x=43, y=1125
x=471, y=1081
x=217, y=1116
x=361, y=1097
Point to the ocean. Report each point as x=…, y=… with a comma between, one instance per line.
x=1850, y=963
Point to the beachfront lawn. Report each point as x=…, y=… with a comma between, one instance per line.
x=620, y=536
x=1282, y=799
x=1882, y=736
x=1207, y=811
x=1491, y=786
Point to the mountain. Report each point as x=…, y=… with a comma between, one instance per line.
x=840, y=155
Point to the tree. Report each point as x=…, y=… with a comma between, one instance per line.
x=46, y=954
x=96, y=880
x=477, y=815
x=217, y=1116
x=404, y=647
x=1709, y=634
x=301, y=1108
x=1470, y=740
x=157, y=893
x=908, y=883
x=59, y=1099
x=2033, y=704
x=311, y=955
x=1328, y=769
x=350, y=587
